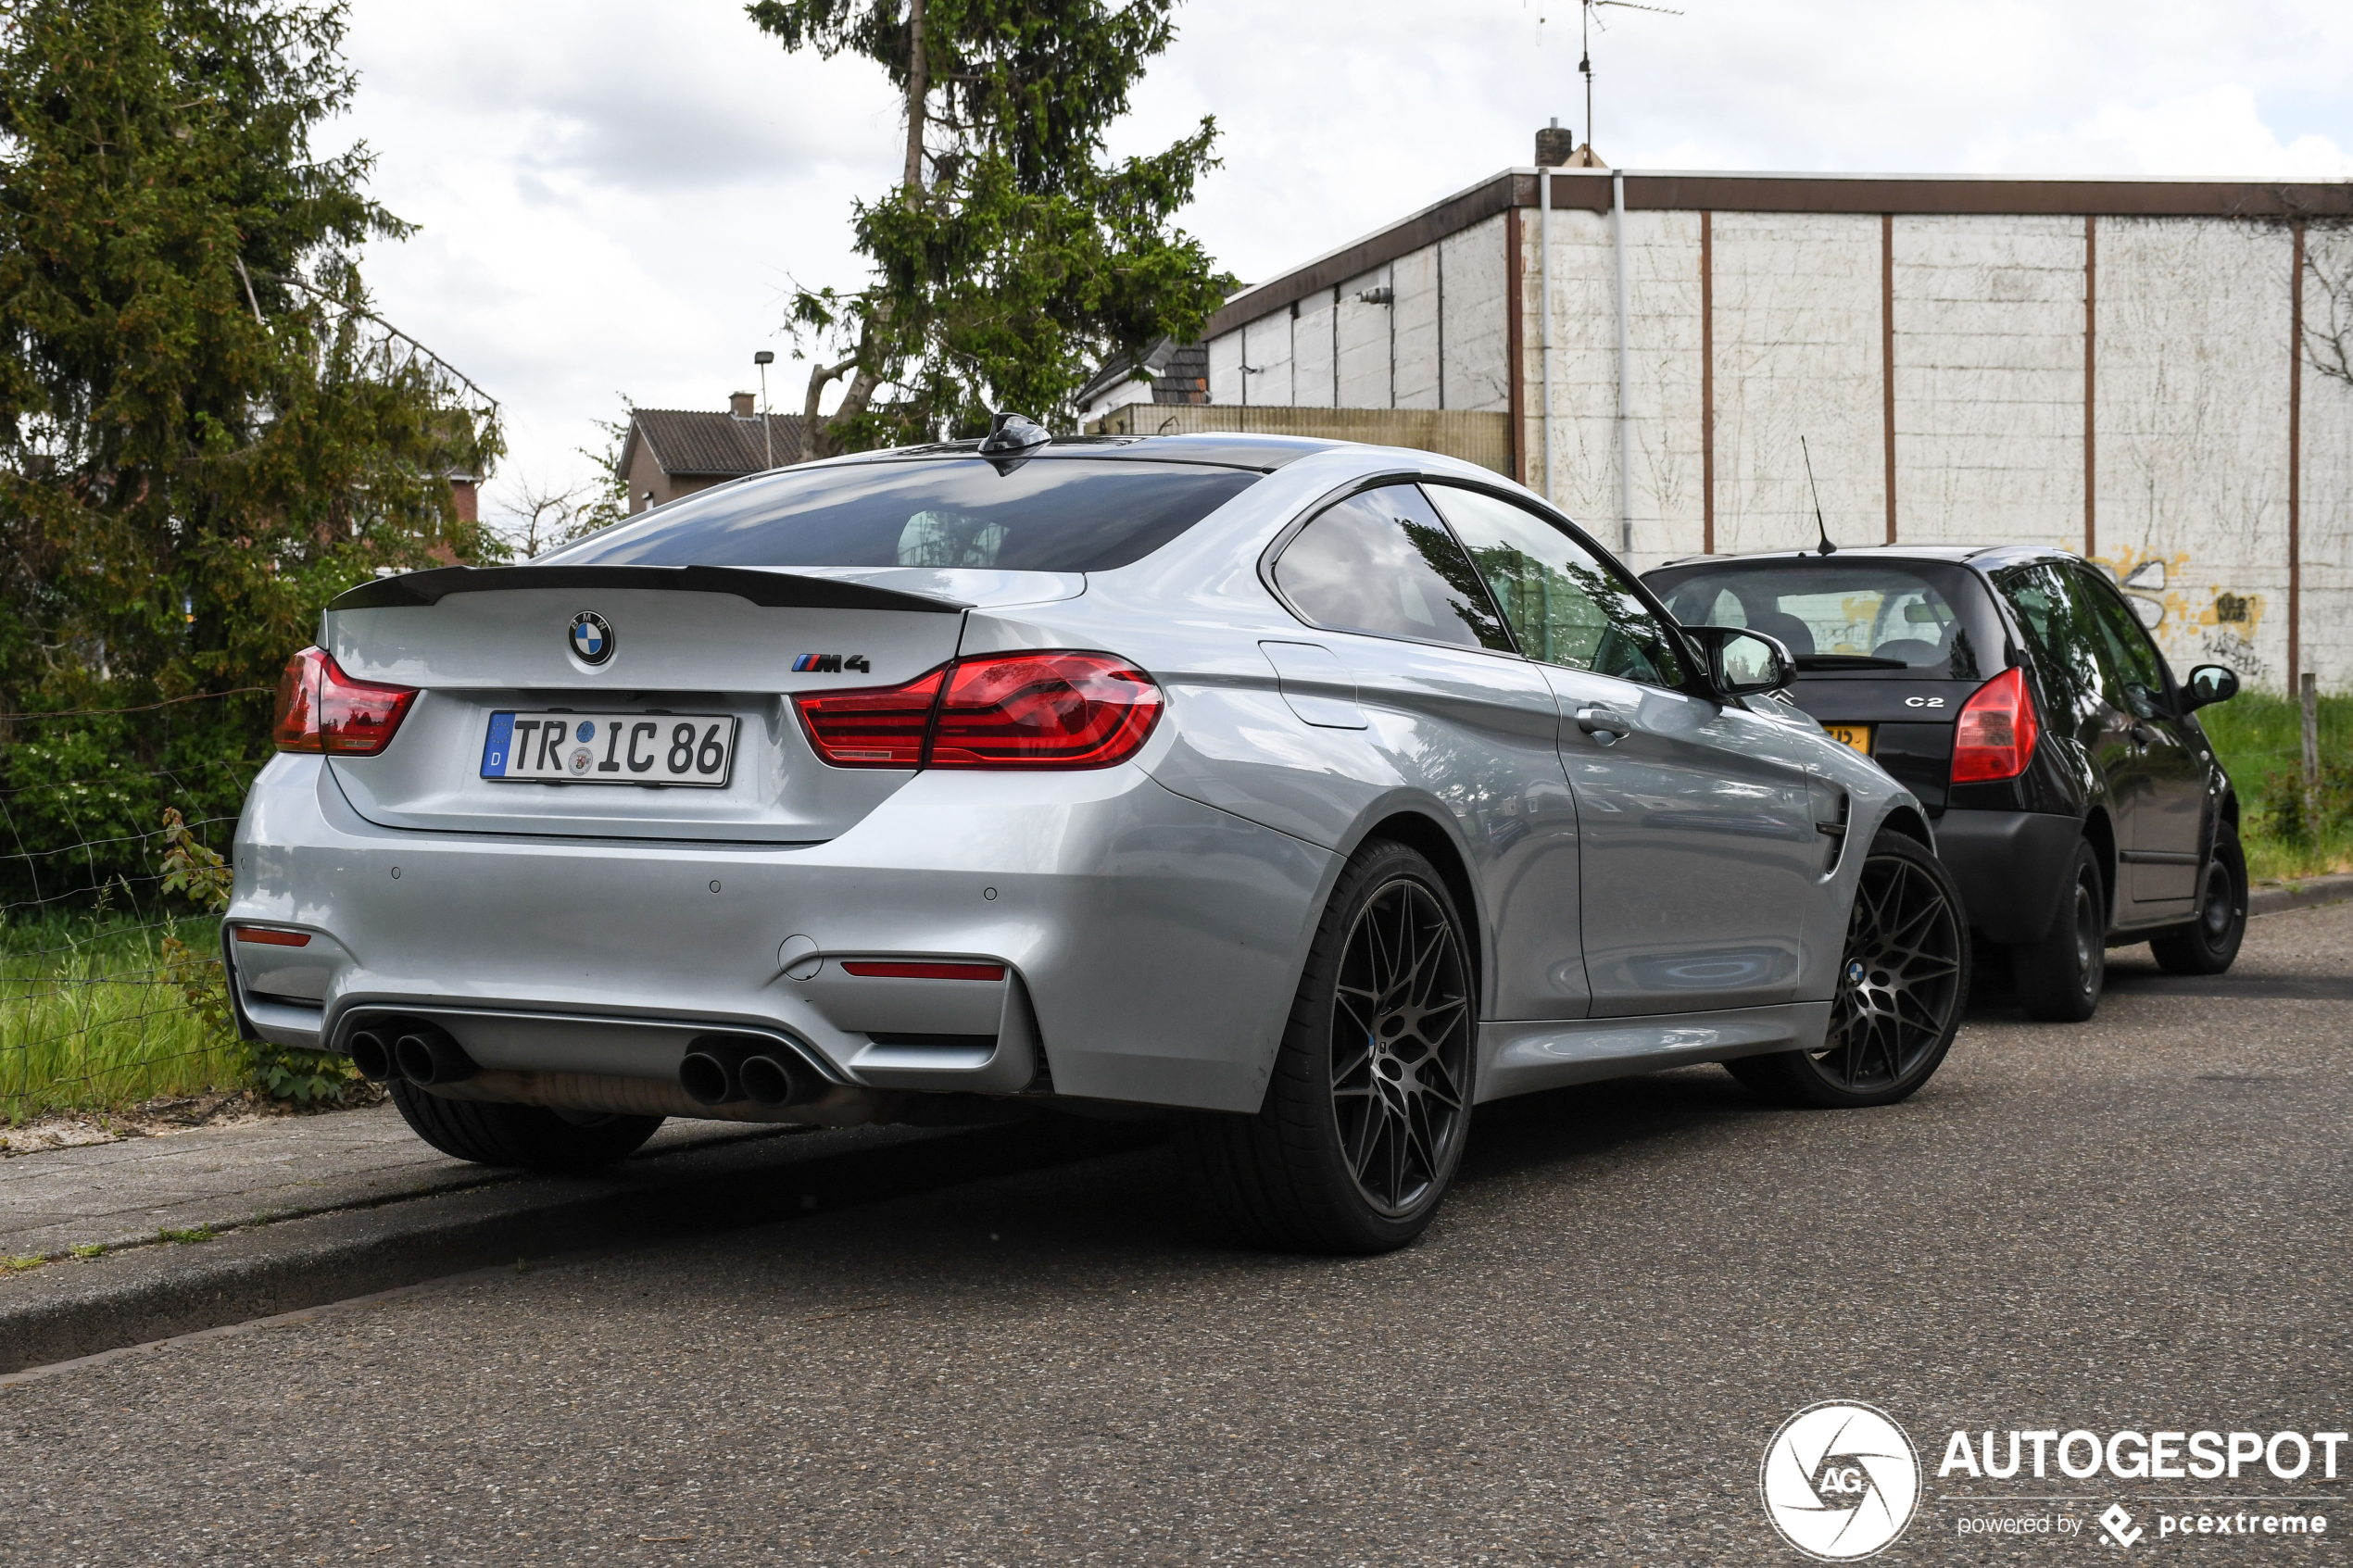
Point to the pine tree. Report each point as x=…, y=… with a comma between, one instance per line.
x=1014, y=256
x=205, y=432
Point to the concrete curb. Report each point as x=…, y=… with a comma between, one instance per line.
x=71, y=1310
x=2300, y=894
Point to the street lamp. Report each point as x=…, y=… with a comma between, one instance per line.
x=764, y=358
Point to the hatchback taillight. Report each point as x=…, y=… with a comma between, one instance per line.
x=1001, y=710
x=320, y=709
x=1995, y=735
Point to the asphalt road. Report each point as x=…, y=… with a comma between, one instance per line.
x=2139, y=1223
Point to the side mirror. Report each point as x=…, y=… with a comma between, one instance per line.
x=1741, y=662
x=2209, y=683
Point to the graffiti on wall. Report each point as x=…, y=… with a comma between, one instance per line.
x=2216, y=626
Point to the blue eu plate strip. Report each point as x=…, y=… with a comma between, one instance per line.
x=495, y=750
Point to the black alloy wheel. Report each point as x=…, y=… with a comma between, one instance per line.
x=1401, y=1043
x=2059, y=973
x=1365, y=1121
x=1903, y=981
x=2210, y=944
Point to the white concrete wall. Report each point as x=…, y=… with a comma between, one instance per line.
x=1266, y=361
x=1414, y=319
x=1988, y=380
x=2326, y=512
x=1440, y=344
x=1797, y=356
x=2191, y=416
x=1313, y=347
x=2191, y=406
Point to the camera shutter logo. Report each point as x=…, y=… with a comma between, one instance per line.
x=591, y=637
x=1839, y=1481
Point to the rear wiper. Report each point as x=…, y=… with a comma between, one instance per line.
x=1847, y=661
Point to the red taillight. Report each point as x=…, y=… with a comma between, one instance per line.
x=320, y=709
x=876, y=971
x=1002, y=711
x=297, y=727
x=1994, y=736
x=881, y=728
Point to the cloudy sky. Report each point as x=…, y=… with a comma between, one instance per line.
x=616, y=197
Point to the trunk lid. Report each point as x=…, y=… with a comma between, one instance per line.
x=691, y=640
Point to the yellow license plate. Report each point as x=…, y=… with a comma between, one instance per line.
x=1857, y=736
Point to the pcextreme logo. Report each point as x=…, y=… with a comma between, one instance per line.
x=1839, y=1481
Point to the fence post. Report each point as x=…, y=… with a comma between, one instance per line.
x=2311, y=696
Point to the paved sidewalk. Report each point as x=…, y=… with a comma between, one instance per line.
x=116, y=1195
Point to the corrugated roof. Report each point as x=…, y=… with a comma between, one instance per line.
x=692, y=441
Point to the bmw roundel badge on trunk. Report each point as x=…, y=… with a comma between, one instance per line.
x=591, y=637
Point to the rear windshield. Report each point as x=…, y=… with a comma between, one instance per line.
x=1057, y=514
x=1866, y=616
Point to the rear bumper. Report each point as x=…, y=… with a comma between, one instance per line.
x=2011, y=867
x=1154, y=941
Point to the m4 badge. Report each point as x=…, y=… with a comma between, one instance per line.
x=831, y=663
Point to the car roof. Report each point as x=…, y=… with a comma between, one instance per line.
x=1983, y=557
x=1233, y=449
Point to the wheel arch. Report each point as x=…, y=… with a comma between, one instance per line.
x=2099, y=832
x=1435, y=842
x=1907, y=820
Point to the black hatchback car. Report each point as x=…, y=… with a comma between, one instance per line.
x=2015, y=692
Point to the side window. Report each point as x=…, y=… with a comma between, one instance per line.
x=1564, y=604
x=2135, y=661
x=2061, y=637
x=1382, y=562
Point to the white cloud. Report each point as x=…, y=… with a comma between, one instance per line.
x=617, y=196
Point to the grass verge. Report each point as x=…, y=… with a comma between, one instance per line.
x=2259, y=738
x=92, y=1016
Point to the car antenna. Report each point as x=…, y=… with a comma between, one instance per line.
x=1819, y=526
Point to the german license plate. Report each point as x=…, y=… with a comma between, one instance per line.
x=1857, y=736
x=693, y=751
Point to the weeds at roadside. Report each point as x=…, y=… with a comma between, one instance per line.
x=91, y=1250
x=187, y=1235
x=2259, y=736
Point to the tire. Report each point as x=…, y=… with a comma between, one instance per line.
x=2209, y=944
x=2059, y=973
x=1902, y=984
x=1358, y=1139
x=528, y=1135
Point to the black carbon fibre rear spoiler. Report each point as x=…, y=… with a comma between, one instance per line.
x=771, y=590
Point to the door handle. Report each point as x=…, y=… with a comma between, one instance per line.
x=1606, y=725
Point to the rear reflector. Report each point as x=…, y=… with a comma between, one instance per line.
x=264, y=935
x=1002, y=711
x=1995, y=733
x=320, y=709
x=878, y=971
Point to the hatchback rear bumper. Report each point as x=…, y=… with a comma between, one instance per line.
x=1148, y=942
x=2011, y=867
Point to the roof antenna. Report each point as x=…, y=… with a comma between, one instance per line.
x=1587, y=21
x=1819, y=526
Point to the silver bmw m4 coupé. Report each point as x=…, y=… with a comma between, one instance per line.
x=1313, y=793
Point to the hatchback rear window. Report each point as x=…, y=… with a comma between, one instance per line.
x=1057, y=514
x=1863, y=614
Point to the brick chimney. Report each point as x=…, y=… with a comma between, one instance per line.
x=1556, y=146
x=740, y=404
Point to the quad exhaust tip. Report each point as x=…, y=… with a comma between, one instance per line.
x=421, y=1052
x=371, y=1054
x=718, y=1069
